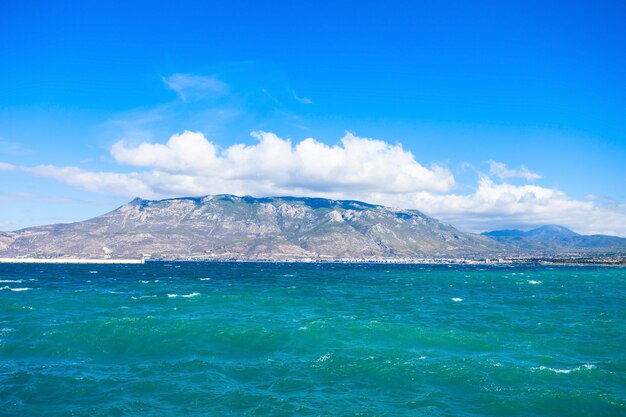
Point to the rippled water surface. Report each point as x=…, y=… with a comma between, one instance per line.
x=311, y=339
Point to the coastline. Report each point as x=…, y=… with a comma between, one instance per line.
x=388, y=261
x=69, y=261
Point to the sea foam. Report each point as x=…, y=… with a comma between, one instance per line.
x=193, y=294
x=14, y=289
x=587, y=366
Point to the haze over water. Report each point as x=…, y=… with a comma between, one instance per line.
x=311, y=339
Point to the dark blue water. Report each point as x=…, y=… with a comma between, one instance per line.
x=311, y=339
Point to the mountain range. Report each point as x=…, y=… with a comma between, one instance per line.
x=557, y=239
x=224, y=227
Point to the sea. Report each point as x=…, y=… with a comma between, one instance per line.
x=293, y=339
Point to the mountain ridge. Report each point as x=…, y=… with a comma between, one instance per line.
x=226, y=227
x=248, y=228
x=557, y=239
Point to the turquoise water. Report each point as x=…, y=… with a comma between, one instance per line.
x=177, y=339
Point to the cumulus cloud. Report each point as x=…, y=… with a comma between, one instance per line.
x=355, y=168
x=501, y=205
x=355, y=163
x=501, y=171
x=190, y=86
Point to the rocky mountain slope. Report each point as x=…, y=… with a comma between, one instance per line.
x=557, y=239
x=247, y=228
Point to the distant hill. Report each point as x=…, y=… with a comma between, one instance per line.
x=247, y=228
x=557, y=239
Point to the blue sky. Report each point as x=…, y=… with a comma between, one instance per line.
x=508, y=114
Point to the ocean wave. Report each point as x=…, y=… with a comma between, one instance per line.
x=324, y=357
x=456, y=299
x=193, y=294
x=15, y=289
x=585, y=367
x=143, y=296
x=11, y=280
x=204, y=279
x=533, y=282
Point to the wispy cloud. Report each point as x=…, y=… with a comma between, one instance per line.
x=7, y=167
x=191, y=87
x=501, y=171
x=303, y=100
x=12, y=148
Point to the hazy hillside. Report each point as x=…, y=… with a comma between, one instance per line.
x=557, y=239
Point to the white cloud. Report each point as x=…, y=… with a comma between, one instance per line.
x=493, y=206
x=501, y=171
x=356, y=168
x=355, y=163
x=190, y=86
x=110, y=182
x=303, y=100
x=12, y=148
x=7, y=167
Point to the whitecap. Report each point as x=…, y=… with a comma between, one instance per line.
x=587, y=366
x=456, y=299
x=143, y=296
x=533, y=282
x=324, y=357
x=204, y=279
x=14, y=289
x=193, y=294
x=11, y=280
x=93, y=272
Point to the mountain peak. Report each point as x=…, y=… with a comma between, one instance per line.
x=553, y=230
x=137, y=201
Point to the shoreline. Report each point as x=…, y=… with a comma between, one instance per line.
x=70, y=261
x=466, y=262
